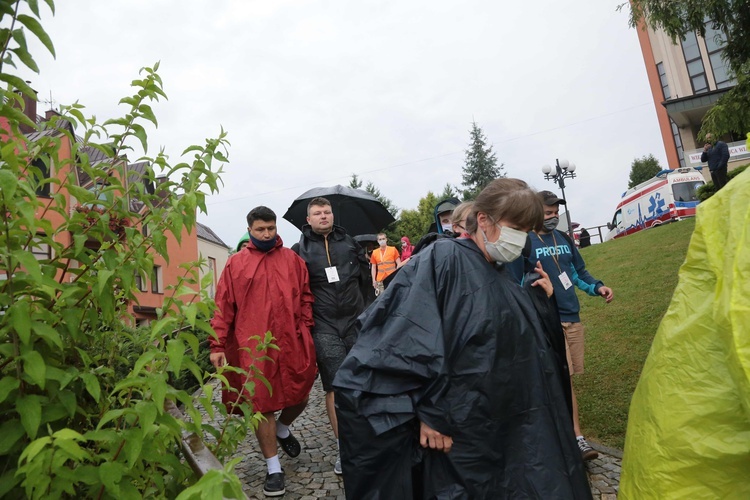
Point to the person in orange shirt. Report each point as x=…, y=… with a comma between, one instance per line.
x=384, y=260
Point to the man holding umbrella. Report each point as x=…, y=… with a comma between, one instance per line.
x=339, y=279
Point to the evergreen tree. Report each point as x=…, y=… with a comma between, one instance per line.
x=480, y=166
x=449, y=192
x=642, y=169
x=355, y=182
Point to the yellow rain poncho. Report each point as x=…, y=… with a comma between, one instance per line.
x=689, y=424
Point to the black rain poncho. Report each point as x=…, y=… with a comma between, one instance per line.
x=459, y=346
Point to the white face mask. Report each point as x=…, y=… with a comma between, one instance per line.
x=447, y=227
x=508, y=246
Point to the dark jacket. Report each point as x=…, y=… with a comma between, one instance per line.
x=717, y=156
x=458, y=346
x=338, y=304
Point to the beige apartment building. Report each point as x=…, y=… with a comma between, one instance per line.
x=686, y=80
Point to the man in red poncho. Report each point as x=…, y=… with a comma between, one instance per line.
x=265, y=287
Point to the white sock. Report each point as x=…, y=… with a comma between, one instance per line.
x=337, y=446
x=579, y=437
x=282, y=430
x=273, y=464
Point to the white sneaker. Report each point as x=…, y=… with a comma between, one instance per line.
x=337, y=466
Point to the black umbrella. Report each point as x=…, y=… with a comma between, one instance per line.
x=366, y=238
x=355, y=210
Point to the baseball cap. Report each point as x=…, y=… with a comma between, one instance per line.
x=550, y=198
x=447, y=205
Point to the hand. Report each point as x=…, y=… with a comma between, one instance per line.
x=430, y=438
x=607, y=293
x=218, y=359
x=706, y=147
x=544, y=281
x=374, y=284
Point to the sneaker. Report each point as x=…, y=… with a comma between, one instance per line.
x=274, y=485
x=587, y=452
x=337, y=466
x=290, y=445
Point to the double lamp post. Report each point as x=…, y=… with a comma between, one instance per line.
x=563, y=170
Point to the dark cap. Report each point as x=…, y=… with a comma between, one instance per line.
x=550, y=198
x=447, y=205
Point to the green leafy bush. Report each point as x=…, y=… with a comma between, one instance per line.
x=82, y=393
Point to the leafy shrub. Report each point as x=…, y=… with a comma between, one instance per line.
x=82, y=394
x=709, y=189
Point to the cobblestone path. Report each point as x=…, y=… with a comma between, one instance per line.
x=310, y=476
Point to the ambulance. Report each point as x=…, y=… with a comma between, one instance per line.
x=667, y=197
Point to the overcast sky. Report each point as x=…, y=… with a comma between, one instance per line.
x=312, y=91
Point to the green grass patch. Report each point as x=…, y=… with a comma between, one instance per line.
x=642, y=270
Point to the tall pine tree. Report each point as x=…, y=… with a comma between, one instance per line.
x=480, y=166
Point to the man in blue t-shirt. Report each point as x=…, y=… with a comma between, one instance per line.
x=566, y=268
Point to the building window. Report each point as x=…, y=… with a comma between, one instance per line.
x=678, y=142
x=157, y=285
x=715, y=43
x=663, y=80
x=42, y=251
x=139, y=282
x=42, y=190
x=212, y=270
x=98, y=190
x=694, y=63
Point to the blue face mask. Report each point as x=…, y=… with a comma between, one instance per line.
x=263, y=246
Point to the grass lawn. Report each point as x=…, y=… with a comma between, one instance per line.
x=642, y=271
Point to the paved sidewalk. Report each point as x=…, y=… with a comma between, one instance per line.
x=310, y=476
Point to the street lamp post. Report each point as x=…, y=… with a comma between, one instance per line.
x=563, y=170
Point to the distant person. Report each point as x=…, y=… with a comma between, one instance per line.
x=716, y=154
x=585, y=238
x=265, y=287
x=385, y=260
x=688, y=430
x=442, y=214
x=244, y=241
x=566, y=268
x=339, y=281
x=406, y=248
x=452, y=371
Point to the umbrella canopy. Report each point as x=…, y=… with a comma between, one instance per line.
x=366, y=238
x=357, y=211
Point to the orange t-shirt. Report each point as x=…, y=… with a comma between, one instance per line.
x=385, y=260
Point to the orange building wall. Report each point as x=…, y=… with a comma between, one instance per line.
x=179, y=253
x=665, y=127
x=55, y=218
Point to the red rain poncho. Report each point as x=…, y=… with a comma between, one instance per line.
x=259, y=292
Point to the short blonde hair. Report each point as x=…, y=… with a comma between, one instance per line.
x=461, y=213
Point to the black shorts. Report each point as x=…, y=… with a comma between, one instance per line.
x=330, y=351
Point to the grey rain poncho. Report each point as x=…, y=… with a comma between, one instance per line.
x=457, y=344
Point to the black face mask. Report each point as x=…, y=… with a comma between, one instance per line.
x=263, y=246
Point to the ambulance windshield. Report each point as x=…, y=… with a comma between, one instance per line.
x=686, y=191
